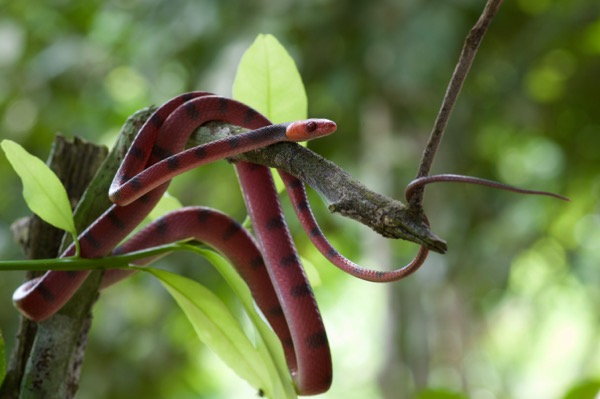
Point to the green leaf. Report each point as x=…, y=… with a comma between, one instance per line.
x=267, y=80
x=42, y=190
x=268, y=344
x=587, y=389
x=2, y=360
x=215, y=326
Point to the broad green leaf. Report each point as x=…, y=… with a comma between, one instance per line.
x=268, y=343
x=215, y=326
x=2, y=359
x=42, y=190
x=267, y=79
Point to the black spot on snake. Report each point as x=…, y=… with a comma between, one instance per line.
x=223, y=105
x=316, y=232
x=250, y=115
x=204, y=215
x=135, y=184
x=172, y=163
x=116, y=220
x=296, y=183
x=162, y=227
x=232, y=230
x=332, y=253
x=233, y=142
x=199, y=152
x=191, y=109
x=90, y=239
x=289, y=260
x=276, y=222
x=300, y=290
x=137, y=152
x=46, y=294
x=317, y=340
x=302, y=205
x=188, y=96
x=160, y=153
x=123, y=177
x=144, y=199
x=257, y=262
x=156, y=120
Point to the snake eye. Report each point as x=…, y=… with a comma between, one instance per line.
x=311, y=127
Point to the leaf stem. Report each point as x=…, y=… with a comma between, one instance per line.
x=76, y=243
x=77, y=263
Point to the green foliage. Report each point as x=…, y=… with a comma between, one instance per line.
x=267, y=79
x=262, y=365
x=587, y=389
x=513, y=302
x=215, y=326
x=268, y=343
x=42, y=190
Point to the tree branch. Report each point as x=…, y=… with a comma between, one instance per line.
x=347, y=196
x=343, y=194
x=469, y=50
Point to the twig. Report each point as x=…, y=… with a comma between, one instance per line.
x=342, y=193
x=469, y=50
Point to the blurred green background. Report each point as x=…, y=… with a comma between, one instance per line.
x=509, y=312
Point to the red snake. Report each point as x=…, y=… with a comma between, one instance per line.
x=271, y=267
x=281, y=289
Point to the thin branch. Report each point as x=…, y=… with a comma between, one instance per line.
x=342, y=193
x=469, y=50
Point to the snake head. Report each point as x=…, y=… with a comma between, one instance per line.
x=309, y=129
